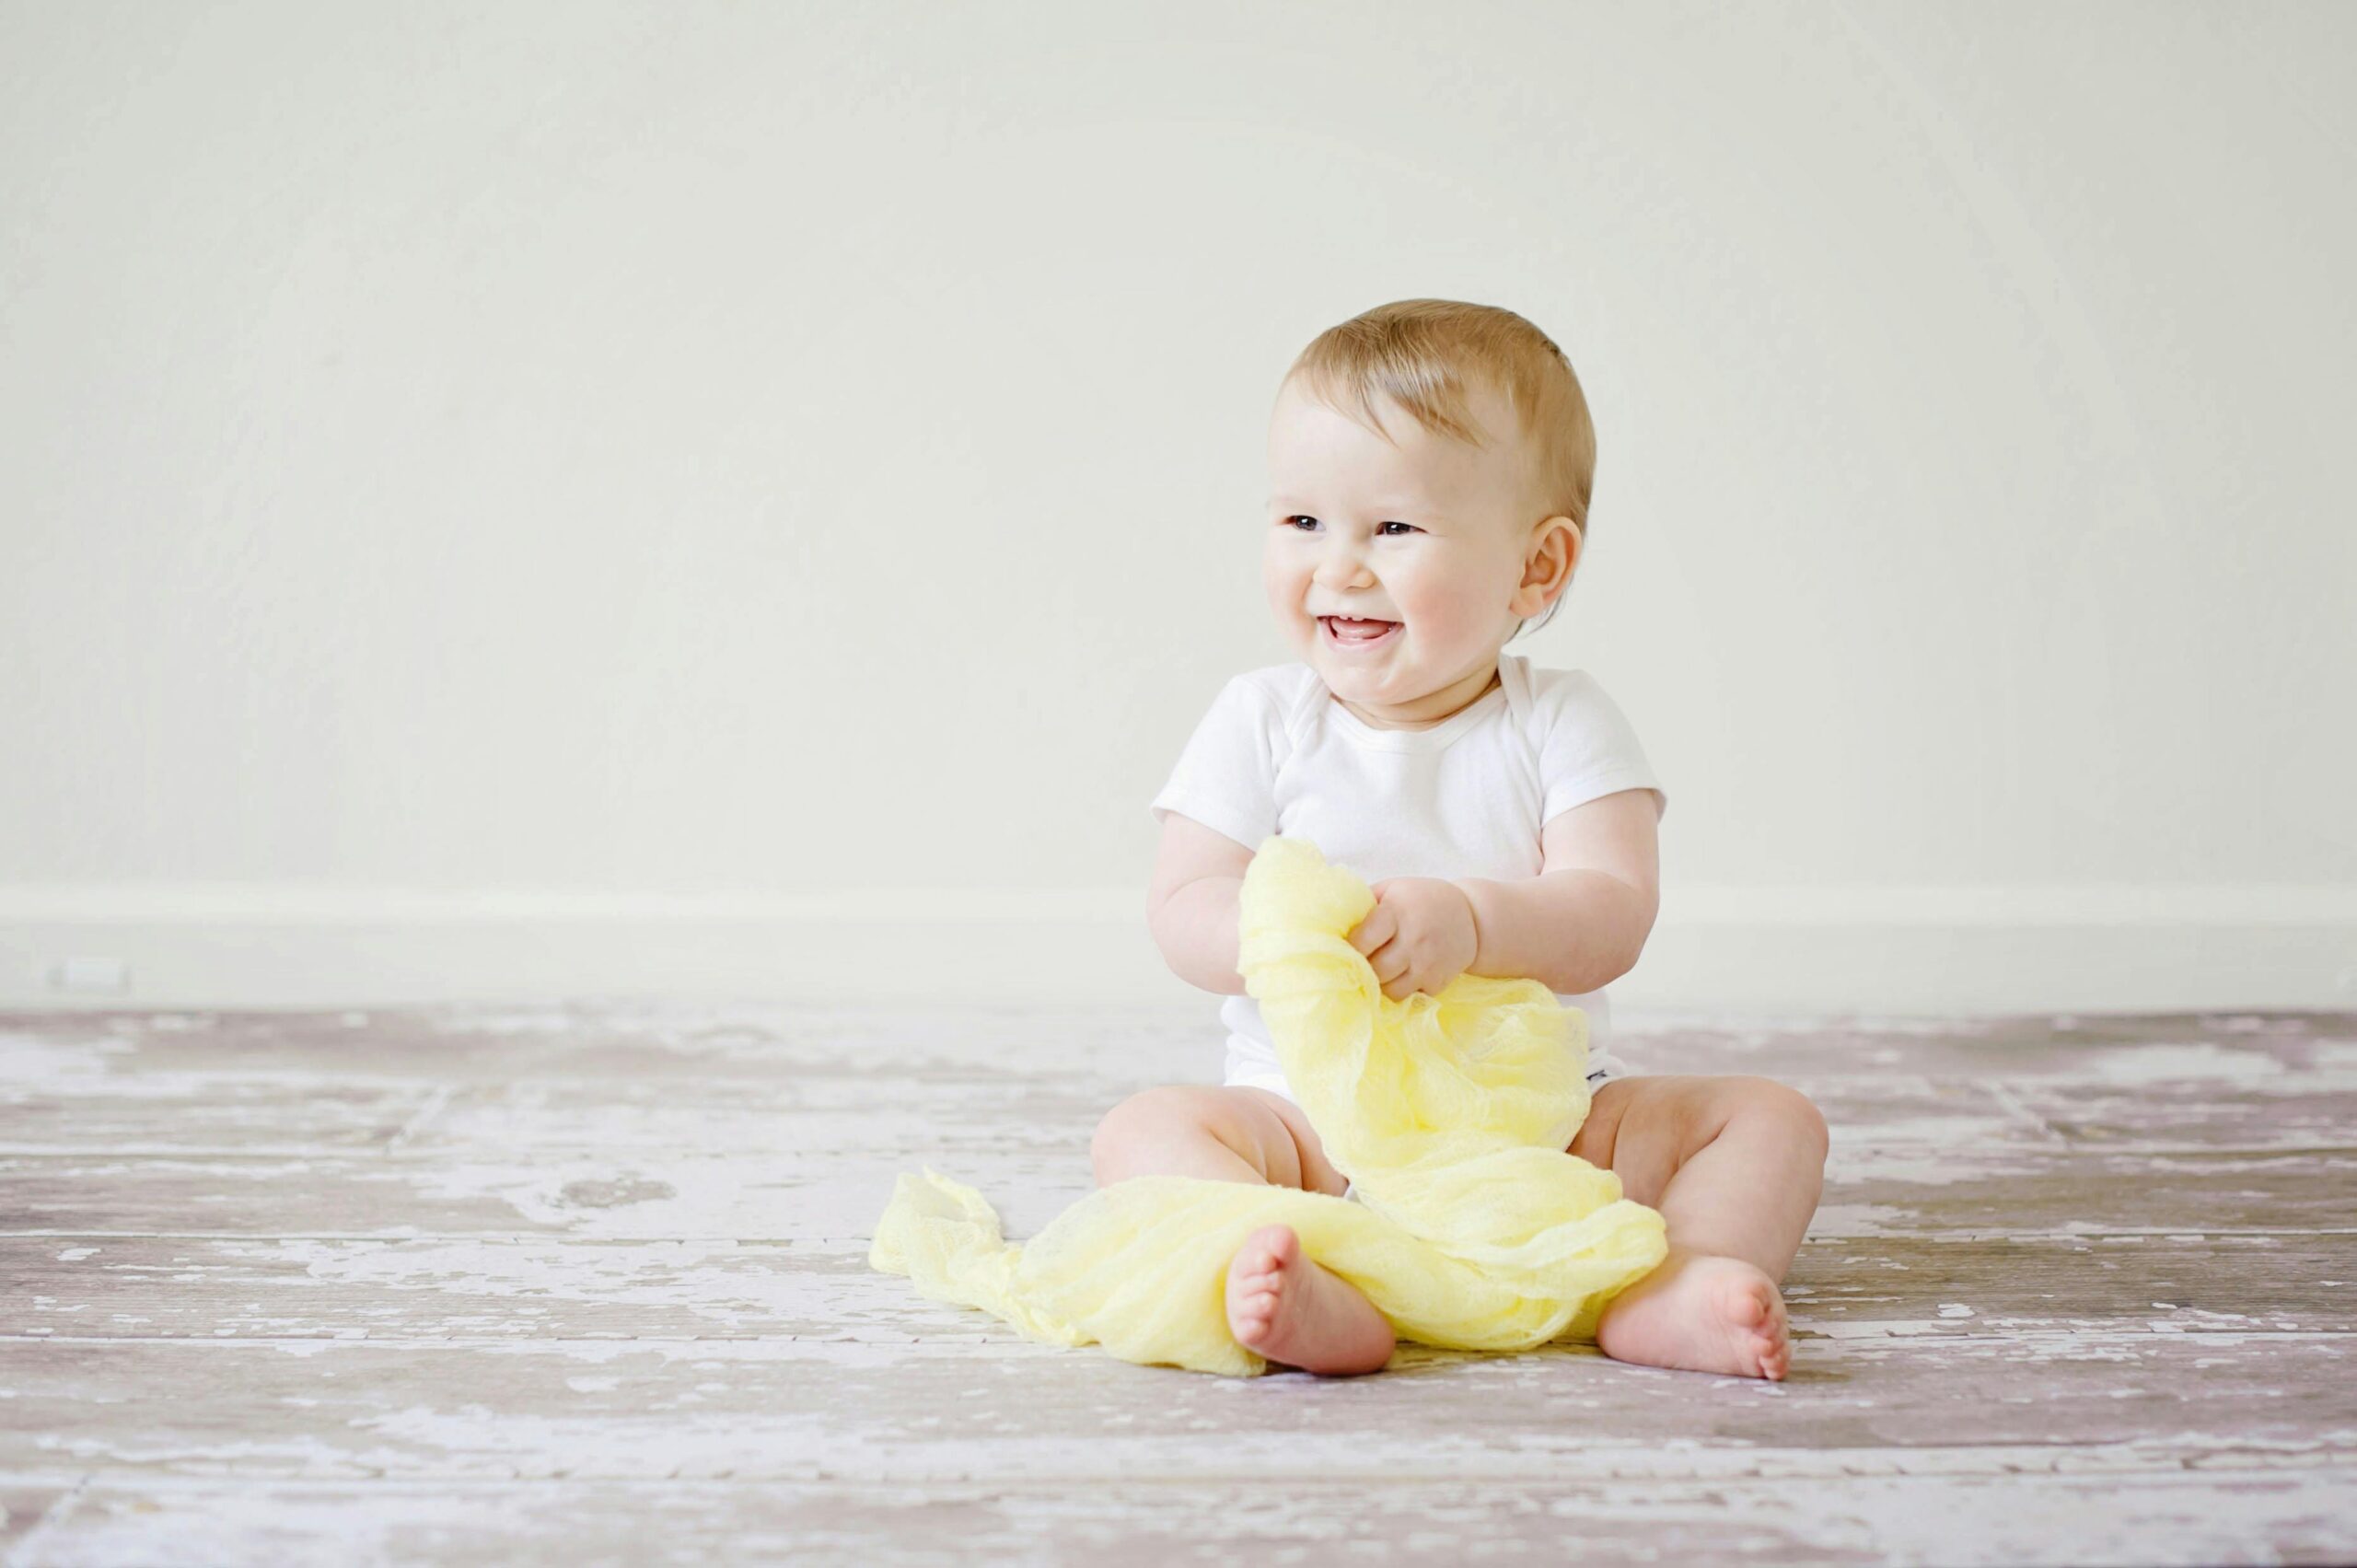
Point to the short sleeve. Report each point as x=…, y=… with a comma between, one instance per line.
x=1226, y=776
x=1588, y=748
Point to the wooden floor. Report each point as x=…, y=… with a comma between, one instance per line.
x=590, y=1286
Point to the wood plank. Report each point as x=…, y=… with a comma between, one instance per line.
x=1176, y=1042
x=625, y=1040
x=791, y=1196
x=2173, y=1284
x=779, y=1196
x=256, y=1084
x=77, y=1105
x=296, y=1115
x=808, y=1409
x=143, y=1288
x=2296, y=1110
x=2094, y=1192
x=975, y=1113
x=2284, y=1516
x=2155, y=1045
x=167, y=1113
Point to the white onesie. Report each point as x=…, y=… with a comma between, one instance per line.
x=1277, y=753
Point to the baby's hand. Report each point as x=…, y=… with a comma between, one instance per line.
x=1419, y=936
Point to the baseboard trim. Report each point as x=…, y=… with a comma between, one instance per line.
x=1816, y=950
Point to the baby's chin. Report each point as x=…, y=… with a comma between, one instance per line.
x=1389, y=682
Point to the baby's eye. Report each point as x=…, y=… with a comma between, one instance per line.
x=1300, y=518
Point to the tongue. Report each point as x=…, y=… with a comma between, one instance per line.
x=1361, y=628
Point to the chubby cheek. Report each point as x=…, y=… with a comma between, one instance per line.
x=1438, y=613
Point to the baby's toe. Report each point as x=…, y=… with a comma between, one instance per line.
x=1775, y=1342
x=1258, y=1258
x=1279, y=1242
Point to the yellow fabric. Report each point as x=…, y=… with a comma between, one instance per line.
x=1469, y=1227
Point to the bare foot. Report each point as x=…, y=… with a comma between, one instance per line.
x=1700, y=1313
x=1291, y=1311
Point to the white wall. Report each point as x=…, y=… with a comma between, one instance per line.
x=555, y=498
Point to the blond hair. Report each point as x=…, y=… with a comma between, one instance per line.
x=1424, y=355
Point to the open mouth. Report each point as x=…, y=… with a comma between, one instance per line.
x=1342, y=632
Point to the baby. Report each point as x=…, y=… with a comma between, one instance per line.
x=1431, y=463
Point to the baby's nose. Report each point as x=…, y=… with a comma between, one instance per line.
x=1341, y=566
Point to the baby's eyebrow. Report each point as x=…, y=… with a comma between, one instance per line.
x=1424, y=506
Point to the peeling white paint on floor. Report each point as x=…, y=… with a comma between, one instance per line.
x=576, y=1282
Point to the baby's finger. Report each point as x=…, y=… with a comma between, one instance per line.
x=1374, y=930
x=1404, y=986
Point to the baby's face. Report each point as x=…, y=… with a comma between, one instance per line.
x=1431, y=535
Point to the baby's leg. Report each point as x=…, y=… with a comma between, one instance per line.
x=1735, y=1166
x=1279, y=1303
x=1226, y=1134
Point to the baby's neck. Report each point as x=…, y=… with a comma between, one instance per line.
x=1436, y=708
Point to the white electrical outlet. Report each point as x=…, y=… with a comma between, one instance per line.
x=98, y=974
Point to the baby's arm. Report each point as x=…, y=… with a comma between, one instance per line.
x=1579, y=924
x=1191, y=905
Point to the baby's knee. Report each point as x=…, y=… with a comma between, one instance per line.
x=1794, y=1113
x=1129, y=1136
x=1165, y=1128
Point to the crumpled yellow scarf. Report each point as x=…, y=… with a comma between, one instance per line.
x=1469, y=1227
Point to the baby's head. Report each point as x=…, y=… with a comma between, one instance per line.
x=1430, y=463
